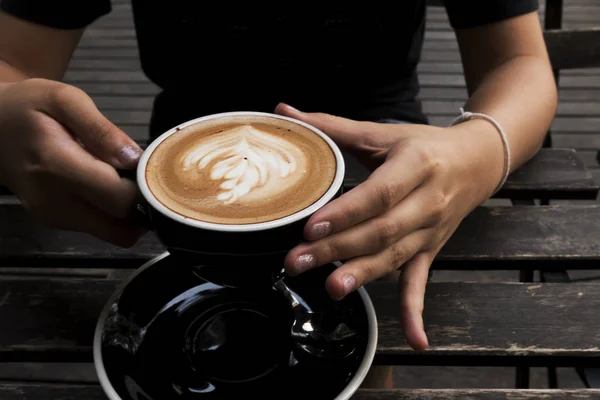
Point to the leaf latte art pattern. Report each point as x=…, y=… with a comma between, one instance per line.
x=244, y=158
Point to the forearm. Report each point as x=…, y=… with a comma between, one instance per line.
x=29, y=50
x=521, y=95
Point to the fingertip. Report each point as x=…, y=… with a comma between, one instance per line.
x=285, y=109
x=288, y=263
x=414, y=331
x=412, y=283
x=340, y=284
x=417, y=339
x=317, y=230
x=299, y=260
x=335, y=288
x=129, y=155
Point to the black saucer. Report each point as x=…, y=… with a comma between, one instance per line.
x=172, y=334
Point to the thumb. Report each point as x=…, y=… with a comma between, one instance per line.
x=76, y=111
x=347, y=133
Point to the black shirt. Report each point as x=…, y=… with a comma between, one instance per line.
x=354, y=59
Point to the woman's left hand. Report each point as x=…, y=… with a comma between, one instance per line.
x=425, y=180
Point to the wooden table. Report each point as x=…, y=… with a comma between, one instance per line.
x=552, y=323
x=468, y=323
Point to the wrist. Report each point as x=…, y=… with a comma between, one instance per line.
x=484, y=155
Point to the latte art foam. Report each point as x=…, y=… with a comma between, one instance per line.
x=248, y=159
x=240, y=170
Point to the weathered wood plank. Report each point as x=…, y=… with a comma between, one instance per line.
x=93, y=32
x=507, y=320
x=581, y=15
x=589, y=159
x=458, y=80
x=565, y=109
x=596, y=174
x=124, y=103
x=107, y=43
x=55, y=272
x=542, y=236
x=475, y=394
x=108, y=23
x=577, y=124
x=439, y=93
x=576, y=140
x=118, y=89
x=560, y=125
x=555, y=168
x=95, y=54
x=444, y=26
x=457, y=68
x=563, y=237
x=104, y=65
x=16, y=391
x=466, y=323
x=104, y=76
x=575, y=48
x=129, y=117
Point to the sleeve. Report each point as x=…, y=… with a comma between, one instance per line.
x=61, y=14
x=471, y=13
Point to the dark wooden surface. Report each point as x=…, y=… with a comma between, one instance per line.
x=576, y=48
x=476, y=394
x=467, y=323
x=106, y=66
x=94, y=392
x=488, y=238
x=555, y=173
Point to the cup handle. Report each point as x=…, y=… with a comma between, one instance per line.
x=140, y=213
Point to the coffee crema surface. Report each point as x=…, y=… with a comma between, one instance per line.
x=240, y=170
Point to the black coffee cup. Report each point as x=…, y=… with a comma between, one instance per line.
x=236, y=246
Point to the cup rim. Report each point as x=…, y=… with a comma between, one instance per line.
x=157, y=205
x=346, y=393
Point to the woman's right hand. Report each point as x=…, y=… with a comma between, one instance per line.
x=60, y=156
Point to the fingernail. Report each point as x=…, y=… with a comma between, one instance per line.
x=320, y=230
x=304, y=262
x=348, y=281
x=130, y=154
